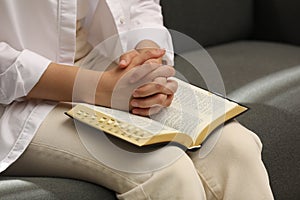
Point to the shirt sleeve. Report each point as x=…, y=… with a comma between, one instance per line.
x=146, y=22
x=19, y=72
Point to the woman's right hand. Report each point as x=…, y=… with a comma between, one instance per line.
x=116, y=87
x=113, y=88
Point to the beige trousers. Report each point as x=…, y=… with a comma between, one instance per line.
x=233, y=170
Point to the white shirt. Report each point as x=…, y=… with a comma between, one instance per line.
x=36, y=32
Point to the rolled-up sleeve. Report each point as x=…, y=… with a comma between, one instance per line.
x=146, y=23
x=19, y=72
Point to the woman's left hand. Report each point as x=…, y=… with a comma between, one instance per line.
x=137, y=57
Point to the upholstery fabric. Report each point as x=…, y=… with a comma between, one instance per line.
x=16, y=188
x=210, y=21
x=242, y=62
x=277, y=20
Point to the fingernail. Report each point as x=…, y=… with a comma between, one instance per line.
x=123, y=62
x=135, y=94
x=134, y=111
x=160, y=51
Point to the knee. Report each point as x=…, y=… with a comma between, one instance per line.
x=183, y=162
x=180, y=180
x=239, y=144
x=181, y=171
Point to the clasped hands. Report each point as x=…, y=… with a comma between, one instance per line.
x=140, y=82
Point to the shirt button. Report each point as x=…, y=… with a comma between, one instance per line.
x=122, y=20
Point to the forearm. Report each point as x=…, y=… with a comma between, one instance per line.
x=57, y=84
x=112, y=88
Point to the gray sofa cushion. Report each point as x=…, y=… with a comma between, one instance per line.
x=265, y=77
x=210, y=21
x=279, y=132
x=242, y=62
x=50, y=189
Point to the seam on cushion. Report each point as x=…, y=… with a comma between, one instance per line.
x=2, y=94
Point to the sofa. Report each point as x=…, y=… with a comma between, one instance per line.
x=255, y=45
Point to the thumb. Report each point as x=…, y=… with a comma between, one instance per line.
x=126, y=58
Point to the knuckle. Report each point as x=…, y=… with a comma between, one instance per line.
x=159, y=87
x=122, y=56
x=169, y=100
x=143, y=112
x=134, y=77
x=130, y=55
x=153, y=61
x=168, y=103
x=173, y=86
x=148, y=53
x=161, y=98
x=135, y=53
x=171, y=71
x=168, y=71
x=155, y=110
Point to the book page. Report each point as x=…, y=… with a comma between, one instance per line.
x=193, y=109
x=153, y=127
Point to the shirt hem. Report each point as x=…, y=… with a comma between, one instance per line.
x=33, y=122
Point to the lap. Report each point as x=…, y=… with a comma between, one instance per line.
x=57, y=150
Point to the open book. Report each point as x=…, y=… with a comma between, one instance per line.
x=192, y=116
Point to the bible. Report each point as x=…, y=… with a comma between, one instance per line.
x=189, y=120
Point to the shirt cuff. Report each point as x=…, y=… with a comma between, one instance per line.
x=19, y=78
x=31, y=67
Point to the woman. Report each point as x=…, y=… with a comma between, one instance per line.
x=41, y=43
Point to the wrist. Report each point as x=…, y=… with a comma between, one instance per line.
x=55, y=84
x=104, y=89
